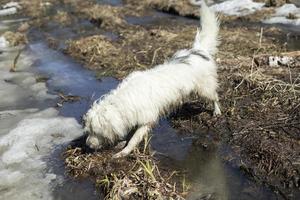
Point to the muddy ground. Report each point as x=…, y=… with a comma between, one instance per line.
x=260, y=102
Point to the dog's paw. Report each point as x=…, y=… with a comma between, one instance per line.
x=120, y=154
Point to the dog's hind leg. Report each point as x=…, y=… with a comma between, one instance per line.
x=215, y=99
x=137, y=137
x=213, y=96
x=217, y=110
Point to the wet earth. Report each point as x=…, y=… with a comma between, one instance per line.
x=220, y=160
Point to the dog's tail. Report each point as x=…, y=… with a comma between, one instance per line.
x=207, y=38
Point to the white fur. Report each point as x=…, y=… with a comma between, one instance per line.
x=144, y=96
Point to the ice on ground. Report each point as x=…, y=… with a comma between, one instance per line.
x=3, y=42
x=9, y=118
x=8, y=11
x=2, y=27
x=20, y=87
x=237, y=7
x=12, y=4
x=282, y=15
x=276, y=61
x=286, y=9
x=198, y=2
x=28, y=135
x=10, y=8
x=24, y=151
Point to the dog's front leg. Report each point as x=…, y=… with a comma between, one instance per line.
x=217, y=110
x=137, y=137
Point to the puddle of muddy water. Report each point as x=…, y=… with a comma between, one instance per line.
x=211, y=178
x=110, y=2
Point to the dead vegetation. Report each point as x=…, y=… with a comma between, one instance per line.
x=14, y=65
x=140, y=176
x=260, y=103
x=105, y=16
x=183, y=8
x=63, y=18
x=100, y=53
x=15, y=38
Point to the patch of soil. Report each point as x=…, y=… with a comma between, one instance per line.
x=139, y=176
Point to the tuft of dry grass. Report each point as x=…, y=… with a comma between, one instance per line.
x=128, y=53
x=139, y=176
x=183, y=8
x=105, y=16
x=15, y=38
x=63, y=18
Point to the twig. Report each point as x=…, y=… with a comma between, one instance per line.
x=14, y=66
x=261, y=35
x=154, y=55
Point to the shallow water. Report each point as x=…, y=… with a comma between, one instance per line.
x=211, y=178
x=70, y=78
x=210, y=174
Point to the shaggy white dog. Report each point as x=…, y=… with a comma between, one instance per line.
x=144, y=96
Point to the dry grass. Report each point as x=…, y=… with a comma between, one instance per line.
x=63, y=18
x=183, y=8
x=139, y=176
x=15, y=38
x=105, y=16
x=127, y=54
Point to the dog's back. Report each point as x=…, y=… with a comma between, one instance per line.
x=156, y=91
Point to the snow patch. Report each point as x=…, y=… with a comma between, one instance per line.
x=275, y=61
x=282, y=14
x=27, y=136
x=24, y=151
x=237, y=7
x=3, y=42
x=19, y=88
x=8, y=11
x=12, y=4
x=10, y=8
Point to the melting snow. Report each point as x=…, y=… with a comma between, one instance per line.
x=282, y=13
x=24, y=152
x=3, y=42
x=237, y=7
x=28, y=134
x=10, y=8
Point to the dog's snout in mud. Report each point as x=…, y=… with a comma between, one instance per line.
x=92, y=142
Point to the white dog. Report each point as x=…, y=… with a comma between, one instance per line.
x=144, y=96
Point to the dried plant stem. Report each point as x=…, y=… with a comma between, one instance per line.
x=14, y=66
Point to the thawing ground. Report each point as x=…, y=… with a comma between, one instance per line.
x=36, y=125
x=33, y=132
x=32, y=129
